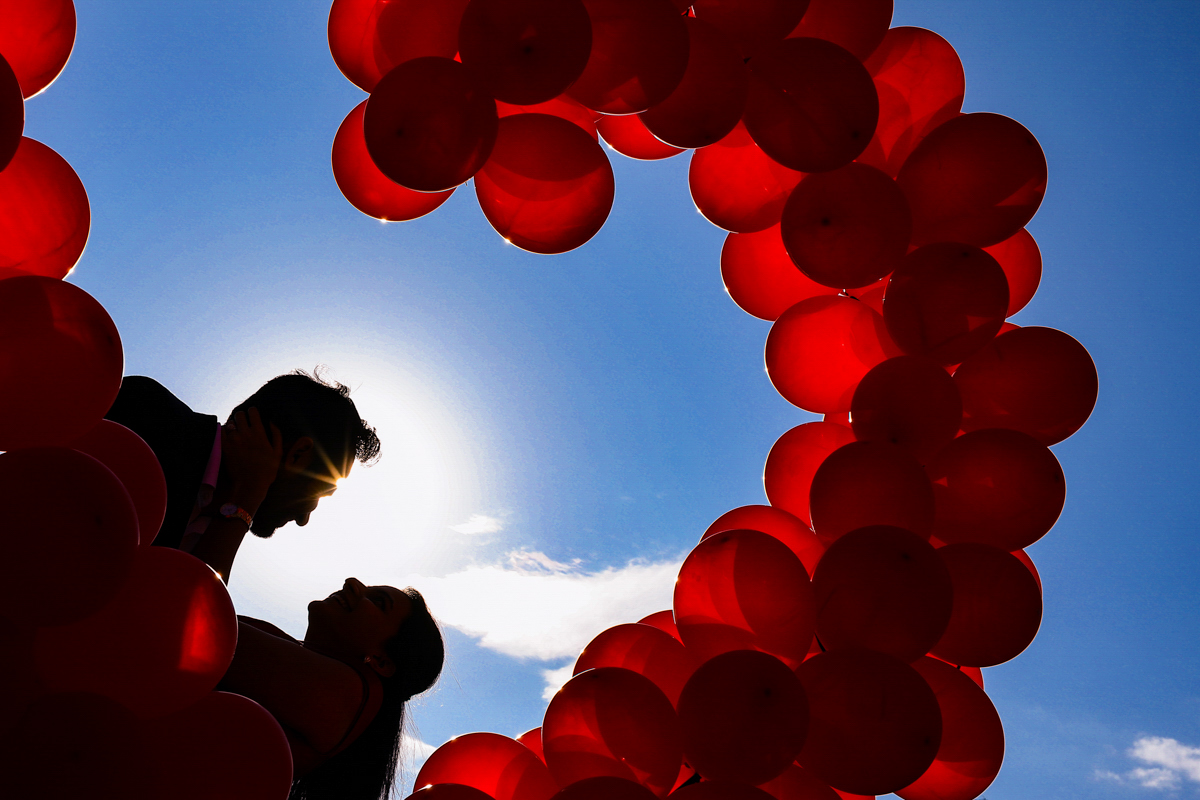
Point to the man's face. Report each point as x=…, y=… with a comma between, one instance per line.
x=294, y=496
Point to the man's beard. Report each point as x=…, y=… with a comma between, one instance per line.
x=262, y=531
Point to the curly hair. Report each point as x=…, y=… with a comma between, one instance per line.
x=307, y=404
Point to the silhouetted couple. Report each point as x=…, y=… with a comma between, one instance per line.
x=339, y=694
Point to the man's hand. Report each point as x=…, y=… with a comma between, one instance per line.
x=251, y=455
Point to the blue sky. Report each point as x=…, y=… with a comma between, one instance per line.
x=558, y=431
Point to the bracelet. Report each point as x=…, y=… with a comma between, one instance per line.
x=231, y=511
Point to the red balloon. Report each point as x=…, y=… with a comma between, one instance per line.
x=751, y=24
x=744, y=717
x=870, y=483
x=44, y=212
x=1024, y=558
x=532, y=739
x=604, y=787
x=884, y=589
x=561, y=106
x=18, y=672
x=628, y=136
x=774, y=522
x=525, y=51
x=871, y=295
x=611, y=721
x=548, y=187
x=708, y=102
x=744, y=590
x=972, y=748
x=819, y=349
x=874, y=723
x=946, y=301
x=644, y=649
x=369, y=38
x=719, y=790
x=153, y=657
x=1021, y=260
x=805, y=123
x=36, y=38
x=664, y=621
x=60, y=362
x=920, y=82
x=857, y=25
x=761, y=277
x=69, y=519
x=244, y=753
x=639, y=54
x=12, y=113
x=846, y=228
x=974, y=673
x=71, y=745
x=996, y=486
x=368, y=189
x=502, y=767
x=448, y=791
x=909, y=401
x=136, y=466
x=793, y=460
x=738, y=187
x=427, y=126
x=1036, y=380
x=997, y=606
x=976, y=179
x=797, y=783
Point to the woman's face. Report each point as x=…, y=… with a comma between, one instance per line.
x=354, y=622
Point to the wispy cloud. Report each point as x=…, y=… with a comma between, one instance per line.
x=555, y=678
x=479, y=524
x=1168, y=764
x=531, y=606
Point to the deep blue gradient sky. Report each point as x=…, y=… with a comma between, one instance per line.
x=607, y=404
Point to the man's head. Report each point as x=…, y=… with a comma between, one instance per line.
x=322, y=437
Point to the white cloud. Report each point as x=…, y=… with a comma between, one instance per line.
x=531, y=606
x=1168, y=764
x=555, y=678
x=479, y=524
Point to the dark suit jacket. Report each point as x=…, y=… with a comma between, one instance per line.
x=181, y=438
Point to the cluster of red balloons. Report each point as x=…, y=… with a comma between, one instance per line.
x=109, y=649
x=830, y=644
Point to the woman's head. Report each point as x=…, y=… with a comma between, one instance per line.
x=391, y=631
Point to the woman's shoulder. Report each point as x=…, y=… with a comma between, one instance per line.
x=267, y=627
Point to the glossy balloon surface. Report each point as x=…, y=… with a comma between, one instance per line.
x=761, y=277
x=136, y=466
x=368, y=189
x=60, y=362
x=738, y=187
x=908, y=401
x=874, y=723
x=976, y=179
x=774, y=522
x=744, y=590
x=870, y=483
x=744, y=717
x=36, y=38
x=45, y=216
x=548, y=186
x=1036, y=380
x=72, y=524
x=819, y=349
x=503, y=768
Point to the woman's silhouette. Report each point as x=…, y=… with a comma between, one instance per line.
x=340, y=693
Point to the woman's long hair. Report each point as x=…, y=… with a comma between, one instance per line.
x=366, y=769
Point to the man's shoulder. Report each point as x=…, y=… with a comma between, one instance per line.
x=153, y=411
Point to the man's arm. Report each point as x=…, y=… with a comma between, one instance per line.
x=251, y=457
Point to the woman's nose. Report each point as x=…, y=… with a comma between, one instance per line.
x=355, y=586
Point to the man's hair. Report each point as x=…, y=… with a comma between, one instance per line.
x=304, y=404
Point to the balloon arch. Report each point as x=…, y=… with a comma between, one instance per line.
x=826, y=645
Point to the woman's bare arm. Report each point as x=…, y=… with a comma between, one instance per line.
x=315, y=696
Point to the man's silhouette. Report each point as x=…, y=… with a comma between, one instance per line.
x=282, y=450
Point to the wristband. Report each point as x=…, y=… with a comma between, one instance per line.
x=231, y=511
